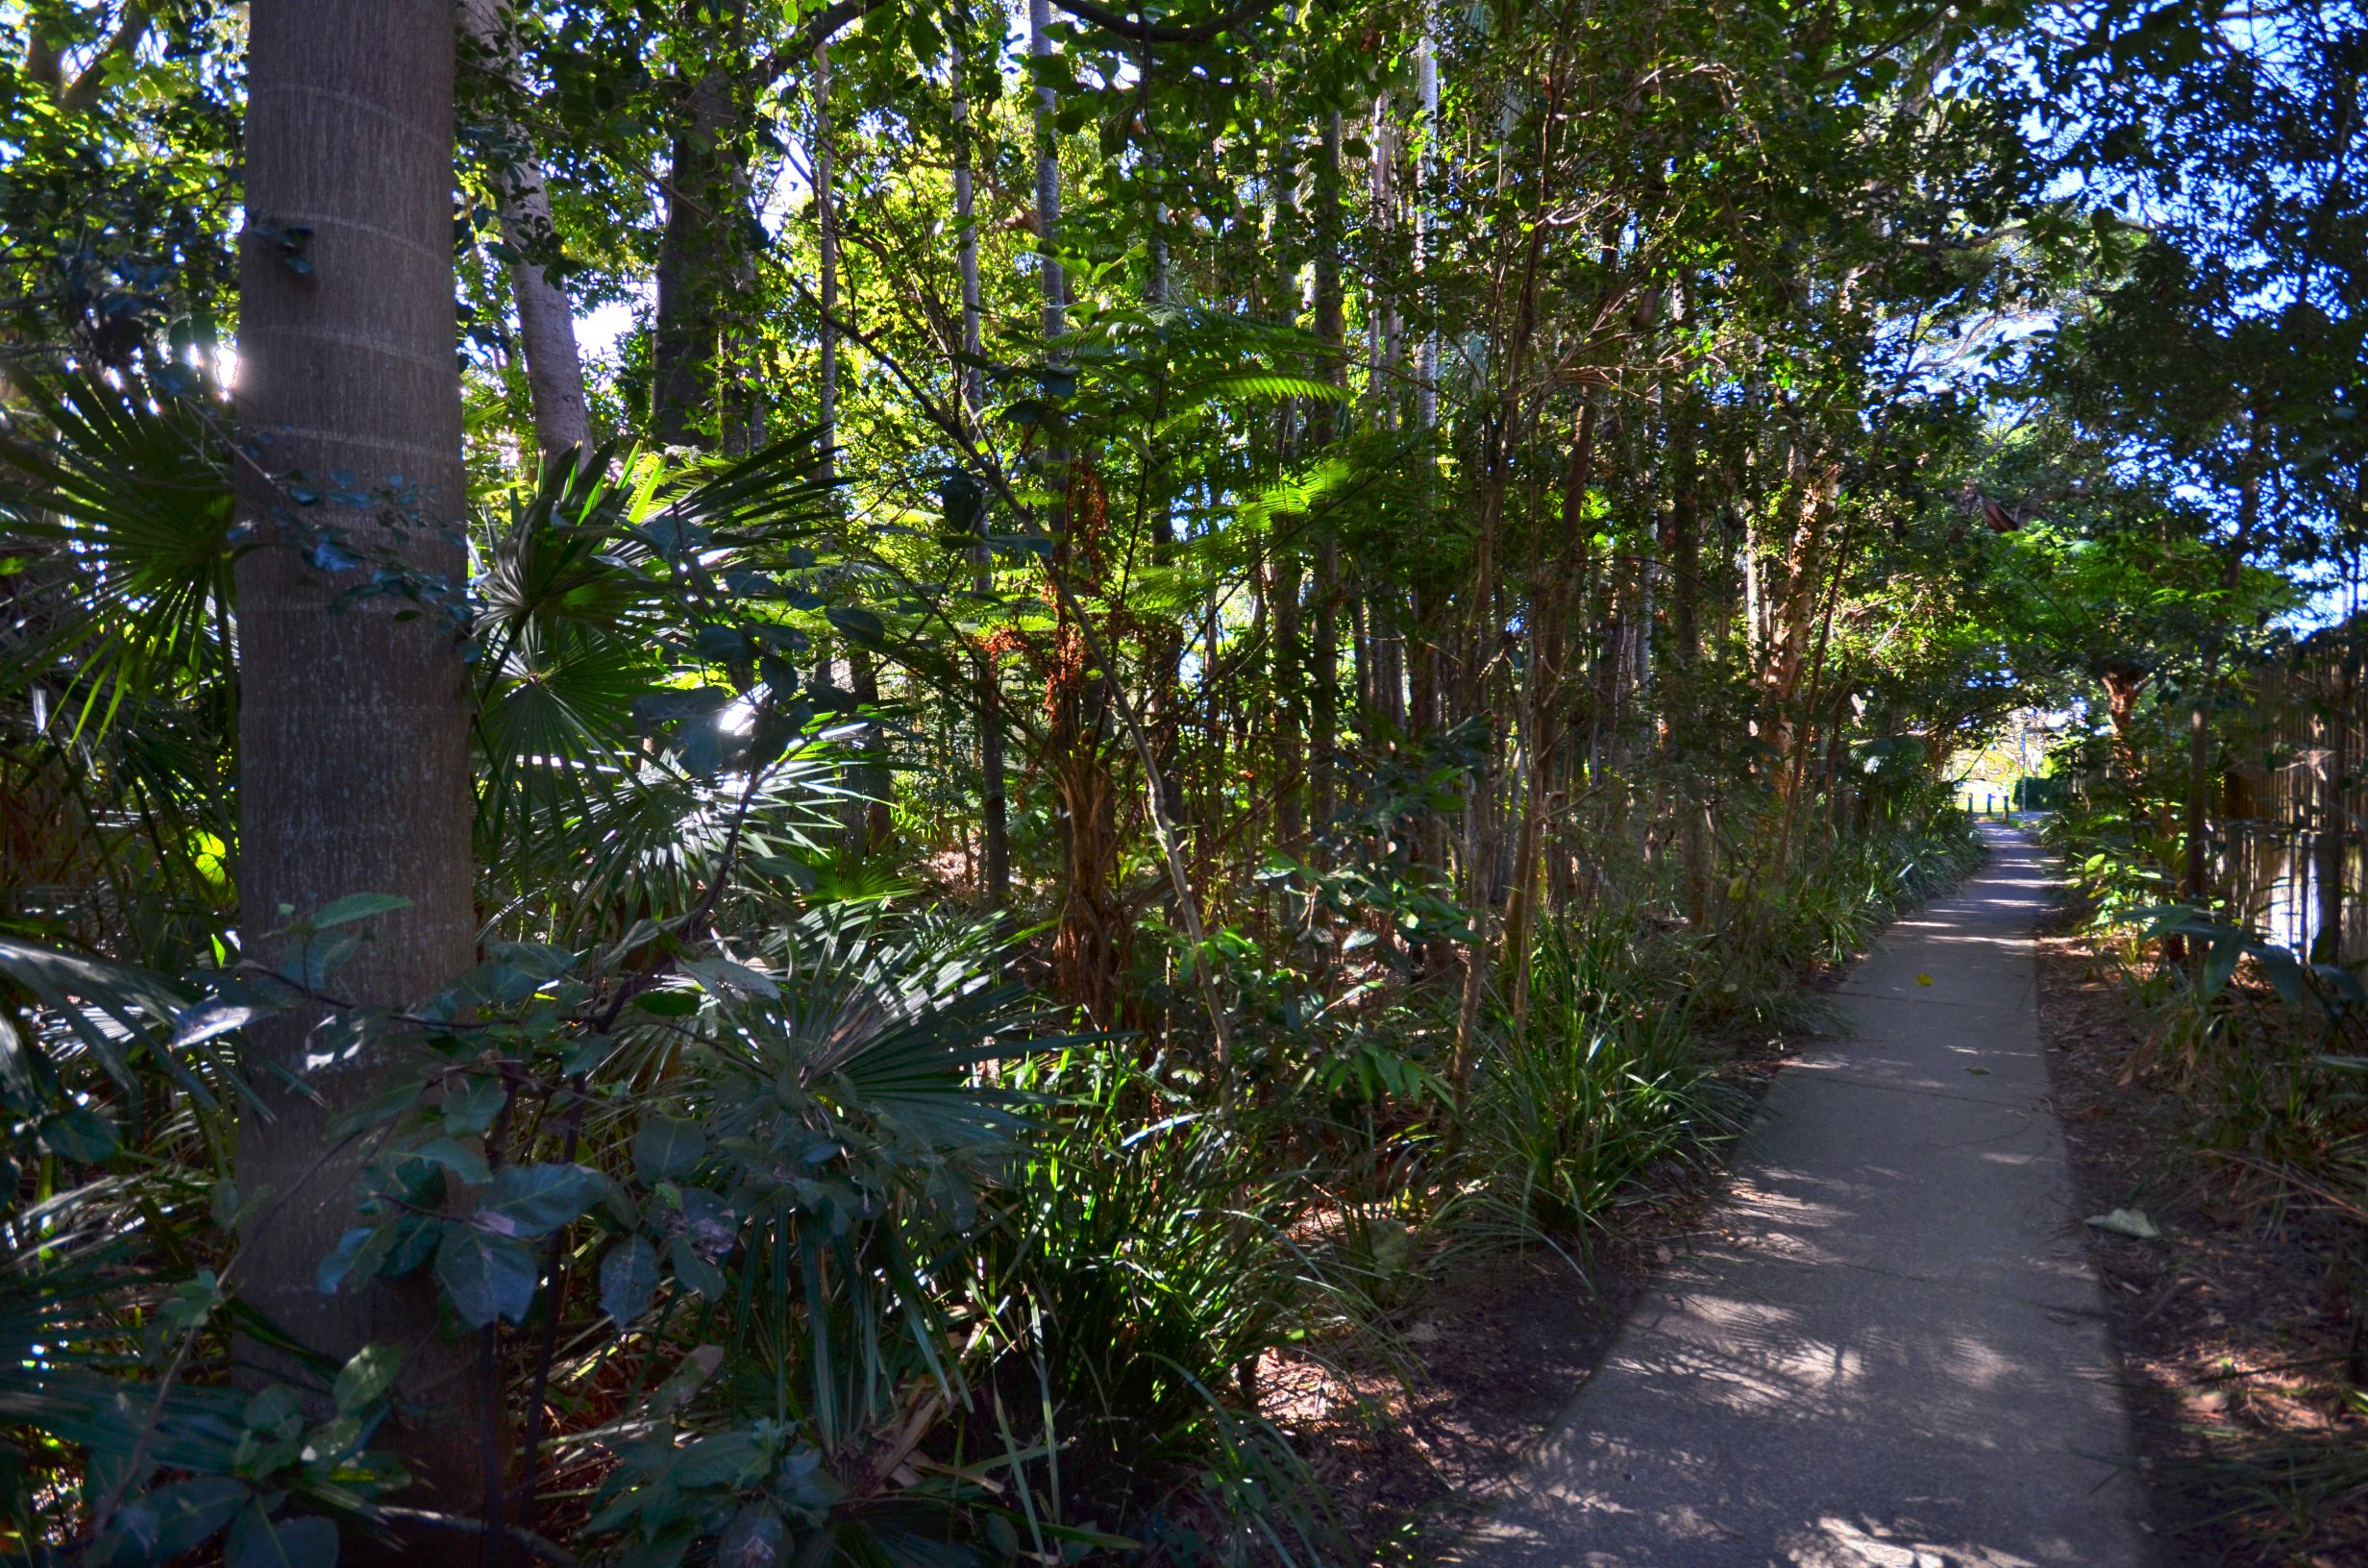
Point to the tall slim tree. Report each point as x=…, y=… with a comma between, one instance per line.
x=353, y=729
x=546, y=322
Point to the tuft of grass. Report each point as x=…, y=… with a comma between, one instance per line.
x=1141, y=1266
x=1605, y=1083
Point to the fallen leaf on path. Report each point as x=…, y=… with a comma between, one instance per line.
x=1923, y=979
x=2130, y=1222
x=1979, y=1072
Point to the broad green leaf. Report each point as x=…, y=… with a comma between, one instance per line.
x=178, y=1519
x=79, y=1133
x=668, y=1004
x=378, y=1108
x=667, y=1150
x=629, y=1279
x=532, y=1201
x=454, y=1156
x=695, y=1271
x=210, y=1019
x=364, y=1380
x=486, y=1276
x=470, y=1104
x=259, y=1541
x=363, y=1244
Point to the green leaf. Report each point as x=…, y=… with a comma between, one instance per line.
x=379, y=1109
x=356, y=906
x=694, y=1270
x=211, y=1019
x=177, y=1519
x=629, y=1279
x=861, y=626
x=80, y=1135
x=2284, y=972
x=535, y=1200
x=363, y=1243
x=275, y=1411
x=486, y=1276
x=689, y=1375
x=363, y=1380
x=2220, y=963
x=259, y=1541
x=470, y=1104
x=667, y=1150
x=456, y=1157
x=668, y=1004
x=723, y=978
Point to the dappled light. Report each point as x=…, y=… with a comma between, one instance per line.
x=1230, y=785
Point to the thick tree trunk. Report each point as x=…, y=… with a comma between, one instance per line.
x=353, y=731
x=546, y=325
x=695, y=250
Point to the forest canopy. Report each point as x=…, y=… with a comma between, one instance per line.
x=775, y=777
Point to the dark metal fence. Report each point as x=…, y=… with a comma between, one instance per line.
x=2294, y=811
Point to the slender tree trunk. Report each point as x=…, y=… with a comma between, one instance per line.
x=1426, y=90
x=1554, y=588
x=1684, y=702
x=1051, y=282
x=1331, y=329
x=994, y=828
x=1498, y=440
x=546, y=324
x=1285, y=579
x=864, y=820
x=2329, y=857
x=353, y=732
x=2195, y=882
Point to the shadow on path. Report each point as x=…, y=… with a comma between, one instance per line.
x=1887, y=1349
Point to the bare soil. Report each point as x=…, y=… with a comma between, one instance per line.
x=2232, y=1327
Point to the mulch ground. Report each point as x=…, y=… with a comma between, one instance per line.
x=2231, y=1328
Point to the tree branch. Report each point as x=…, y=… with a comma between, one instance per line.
x=835, y=20
x=1148, y=32
x=84, y=91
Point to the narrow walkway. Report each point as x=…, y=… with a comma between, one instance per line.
x=1887, y=1349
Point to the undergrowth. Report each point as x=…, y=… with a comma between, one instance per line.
x=839, y=1245
x=2266, y=1053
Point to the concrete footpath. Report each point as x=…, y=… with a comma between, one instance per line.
x=1887, y=1348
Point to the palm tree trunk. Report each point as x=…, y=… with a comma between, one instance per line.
x=353, y=732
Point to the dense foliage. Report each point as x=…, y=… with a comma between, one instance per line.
x=1180, y=664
